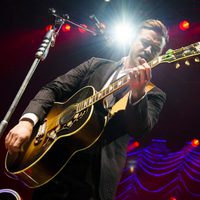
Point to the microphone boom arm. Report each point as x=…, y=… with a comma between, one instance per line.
x=48, y=41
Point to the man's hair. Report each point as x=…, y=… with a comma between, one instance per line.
x=157, y=26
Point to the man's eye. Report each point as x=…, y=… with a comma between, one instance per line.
x=145, y=43
x=155, y=49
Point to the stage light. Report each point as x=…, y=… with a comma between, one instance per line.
x=132, y=168
x=136, y=144
x=66, y=28
x=82, y=30
x=133, y=145
x=123, y=34
x=49, y=27
x=131, y=165
x=184, y=25
x=195, y=142
x=172, y=198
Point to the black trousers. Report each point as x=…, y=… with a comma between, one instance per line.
x=78, y=180
x=56, y=190
x=74, y=182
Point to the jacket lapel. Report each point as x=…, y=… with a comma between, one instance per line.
x=102, y=74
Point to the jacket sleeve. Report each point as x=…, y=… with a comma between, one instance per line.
x=141, y=118
x=58, y=90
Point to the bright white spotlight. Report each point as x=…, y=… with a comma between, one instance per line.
x=123, y=34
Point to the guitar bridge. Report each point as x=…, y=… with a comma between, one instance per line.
x=40, y=134
x=52, y=135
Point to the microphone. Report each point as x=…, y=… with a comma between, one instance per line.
x=52, y=11
x=101, y=27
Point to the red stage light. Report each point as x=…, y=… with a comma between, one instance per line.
x=49, y=27
x=66, y=28
x=132, y=146
x=172, y=198
x=82, y=30
x=184, y=25
x=195, y=142
x=136, y=144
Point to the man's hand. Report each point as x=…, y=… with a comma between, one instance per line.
x=140, y=76
x=17, y=136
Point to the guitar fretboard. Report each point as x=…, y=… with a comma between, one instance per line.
x=118, y=84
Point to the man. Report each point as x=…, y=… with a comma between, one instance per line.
x=94, y=173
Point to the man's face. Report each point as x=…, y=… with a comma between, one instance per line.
x=148, y=45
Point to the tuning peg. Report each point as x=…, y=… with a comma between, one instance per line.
x=169, y=51
x=197, y=59
x=187, y=63
x=177, y=65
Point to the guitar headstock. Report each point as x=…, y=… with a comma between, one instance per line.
x=182, y=54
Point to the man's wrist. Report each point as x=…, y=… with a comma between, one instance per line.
x=25, y=119
x=31, y=117
x=136, y=98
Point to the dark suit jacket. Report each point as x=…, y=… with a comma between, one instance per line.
x=135, y=121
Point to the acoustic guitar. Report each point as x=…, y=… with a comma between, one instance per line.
x=71, y=127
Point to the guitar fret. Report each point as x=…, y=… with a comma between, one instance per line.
x=96, y=97
x=103, y=93
x=99, y=95
x=119, y=83
x=110, y=88
x=93, y=99
x=107, y=91
x=85, y=104
x=124, y=80
x=78, y=107
x=90, y=100
x=154, y=62
x=82, y=105
x=115, y=85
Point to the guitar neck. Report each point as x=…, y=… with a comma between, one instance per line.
x=116, y=85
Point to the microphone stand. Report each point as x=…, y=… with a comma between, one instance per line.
x=41, y=54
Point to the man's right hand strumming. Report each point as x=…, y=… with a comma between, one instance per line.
x=17, y=136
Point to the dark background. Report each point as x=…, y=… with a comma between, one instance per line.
x=23, y=27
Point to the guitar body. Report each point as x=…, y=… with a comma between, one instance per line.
x=64, y=133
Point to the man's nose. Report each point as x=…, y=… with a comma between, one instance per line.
x=148, y=50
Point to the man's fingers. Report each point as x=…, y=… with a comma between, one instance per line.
x=142, y=72
x=135, y=73
x=8, y=140
x=18, y=144
x=13, y=142
x=147, y=70
x=142, y=61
